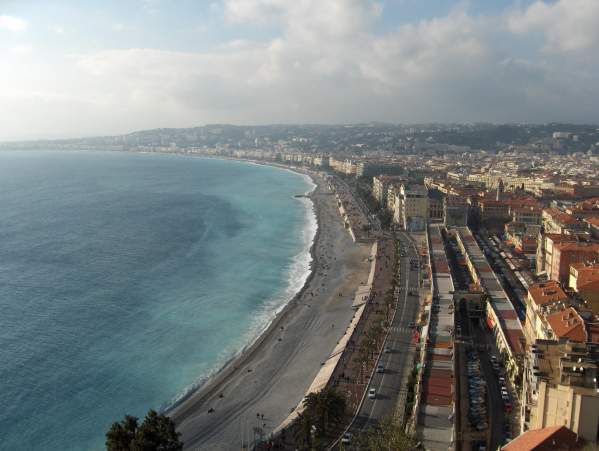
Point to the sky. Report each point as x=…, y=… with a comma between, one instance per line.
x=71, y=68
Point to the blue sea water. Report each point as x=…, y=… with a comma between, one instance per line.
x=125, y=279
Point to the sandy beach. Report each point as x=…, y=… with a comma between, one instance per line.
x=256, y=391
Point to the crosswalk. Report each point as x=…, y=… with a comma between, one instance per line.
x=399, y=329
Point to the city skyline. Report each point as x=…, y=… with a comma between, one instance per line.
x=113, y=68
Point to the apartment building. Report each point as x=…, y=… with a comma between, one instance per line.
x=557, y=221
x=411, y=207
x=455, y=211
x=380, y=187
x=561, y=388
x=546, y=243
x=567, y=253
x=542, y=298
x=435, y=205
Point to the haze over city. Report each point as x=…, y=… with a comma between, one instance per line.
x=72, y=69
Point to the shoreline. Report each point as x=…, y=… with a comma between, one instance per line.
x=246, y=351
x=272, y=373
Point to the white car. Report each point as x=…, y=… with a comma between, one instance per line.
x=380, y=368
x=372, y=393
x=346, y=439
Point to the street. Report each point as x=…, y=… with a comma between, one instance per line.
x=390, y=385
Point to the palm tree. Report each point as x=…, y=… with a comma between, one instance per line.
x=120, y=435
x=156, y=432
x=387, y=436
x=324, y=408
x=303, y=433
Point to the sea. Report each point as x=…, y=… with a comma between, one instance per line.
x=127, y=279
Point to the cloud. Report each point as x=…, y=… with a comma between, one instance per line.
x=12, y=23
x=56, y=29
x=327, y=63
x=23, y=49
x=566, y=25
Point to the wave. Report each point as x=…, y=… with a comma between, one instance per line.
x=297, y=275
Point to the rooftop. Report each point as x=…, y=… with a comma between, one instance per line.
x=546, y=292
x=555, y=438
x=567, y=324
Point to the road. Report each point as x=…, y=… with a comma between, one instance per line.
x=397, y=363
x=372, y=219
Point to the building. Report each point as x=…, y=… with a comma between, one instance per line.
x=321, y=160
x=380, y=187
x=582, y=273
x=372, y=168
x=526, y=215
x=435, y=205
x=593, y=224
x=567, y=253
x=556, y=221
x=435, y=394
x=553, y=438
x=545, y=251
x=392, y=193
x=584, y=279
x=455, y=211
x=561, y=388
x=494, y=210
x=566, y=324
x=542, y=298
x=411, y=207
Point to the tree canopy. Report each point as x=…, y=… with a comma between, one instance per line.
x=156, y=433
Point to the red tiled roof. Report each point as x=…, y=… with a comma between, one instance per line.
x=568, y=324
x=554, y=438
x=593, y=220
x=560, y=216
x=546, y=292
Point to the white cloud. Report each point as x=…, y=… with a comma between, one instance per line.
x=23, y=49
x=56, y=29
x=12, y=23
x=566, y=24
x=326, y=64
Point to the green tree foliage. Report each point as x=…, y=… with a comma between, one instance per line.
x=303, y=434
x=156, y=433
x=324, y=409
x=387, y=436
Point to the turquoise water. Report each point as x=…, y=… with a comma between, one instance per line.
x=125, y=279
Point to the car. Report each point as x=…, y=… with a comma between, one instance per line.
x=372, y=393
x=412, y=324
x=346, y=439
x=380, y=368
x=387, y=349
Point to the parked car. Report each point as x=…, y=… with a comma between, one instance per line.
x=346, y=439
x=372, y=393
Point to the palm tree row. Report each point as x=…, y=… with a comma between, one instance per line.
x=322, y=411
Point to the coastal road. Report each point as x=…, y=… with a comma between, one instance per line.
x=390, y=385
